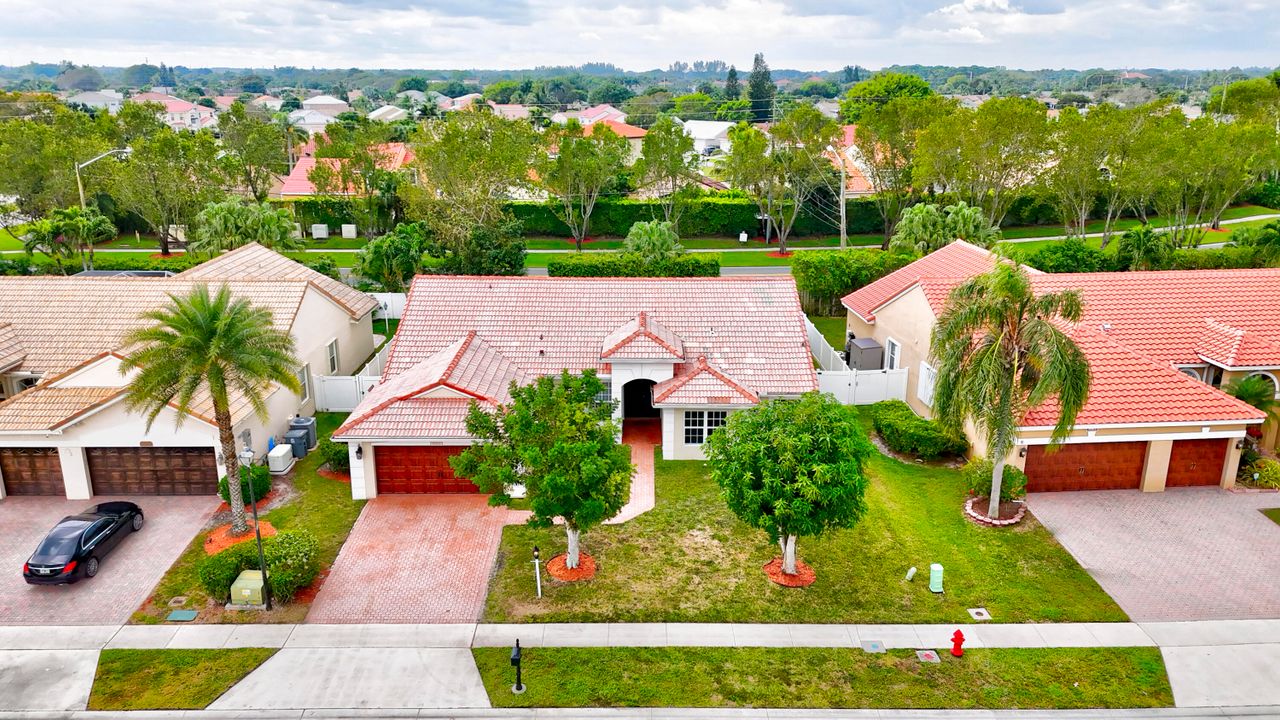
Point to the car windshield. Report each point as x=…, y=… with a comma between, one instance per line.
x=61, y=541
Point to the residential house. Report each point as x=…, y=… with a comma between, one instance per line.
x=708, y=135
x=64, y=428
x=224, y=102
x=679, y=353
x=106, y=99
x=268, y=102
x=1160, y=347
x=389, y=113
x=634, y=135
x=849, y=159
x=310, y=121
x=462, y=102
x=326, y=105
x=593, y=114
x=510, y=111
x=178, y=113
x=298, y=182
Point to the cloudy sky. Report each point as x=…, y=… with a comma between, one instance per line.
x=643, y=34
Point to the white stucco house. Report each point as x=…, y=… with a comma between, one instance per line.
x=681, y=353
x=708, y=135
x=64, y=427
x=326, y=104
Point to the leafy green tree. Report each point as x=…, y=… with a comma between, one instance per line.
x=732, y=88
x=255, y=147
x=734, y=111
x=610, y=92
x=667, y=165
x=645, y=109
x=391, y=260
x=1072, y=255
x=81, y=78
x=695, y=106
x=1265, y=238
x=817, y=89
x=1253, y=99
x=925, y=228
x=230, y=224
x=761, y=90
x=878, y=90
x=352, y=171
x=139, y=75
x=489, y=250
x=580, y=168
x=793, y=468
x=1144, y=248
x=417, y=82
x=558, y=440
x=501, y=92
x=653, y=241
x=999, y=353
x=1258, y=391
x=38, y=155
x=214, y=346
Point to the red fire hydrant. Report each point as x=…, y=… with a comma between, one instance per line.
x=957, y=644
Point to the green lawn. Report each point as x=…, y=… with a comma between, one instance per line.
x=322, y=507
x=827, y=678
x=690, y=560
x=9, y=239
x=169, y=679
x=1274, y=514
x=832, y=328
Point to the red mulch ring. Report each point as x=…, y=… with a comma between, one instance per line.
x=1217, y=230
x=804, y=577
x=221, y=539
x=162, y=256
x=777, y=254
x=262, y=501
x=585, y=571
x=334, y=475
x=308, y=594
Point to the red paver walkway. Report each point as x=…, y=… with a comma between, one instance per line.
x=127, y=576
x=643, y=436
x=1183, y=554
x=414, y=559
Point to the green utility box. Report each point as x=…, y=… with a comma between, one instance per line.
x=247, y=589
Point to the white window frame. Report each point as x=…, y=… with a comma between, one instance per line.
x=1275, y=382
x=331, y=354
x=929, y=373
x=304, y=378
x=702, y=423
x=892, y=354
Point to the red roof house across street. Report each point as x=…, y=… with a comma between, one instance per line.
x=681, y=351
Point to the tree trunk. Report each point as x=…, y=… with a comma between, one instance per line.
x=164, y=239
x=572, y=555
x=997, y=478
x=231, y=460
x=787, y=544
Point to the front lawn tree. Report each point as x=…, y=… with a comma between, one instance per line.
x=255, y=147
x=577, y=167
x=792, y=468
x=1000, y=352
x=668, y=165
x=209, y=345
x=393, y=259
x=559, y=441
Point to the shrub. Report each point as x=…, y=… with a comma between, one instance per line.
x=257, y=474
x=1070, y=255
x=905, y=432
x=292, y=563
x=335, y=455
x=825, y=276
x=632, y=265
x=977, y=478
x=1268, y=472
x=325, y=265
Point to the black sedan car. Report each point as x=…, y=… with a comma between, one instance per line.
x=74, y=548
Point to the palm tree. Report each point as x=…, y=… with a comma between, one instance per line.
x=83, y=228
x=1143, y=248
x=217, y=345
x=229, y=224
x=1000, y=352
x=1258, y=391
x=292, y=134
x=43, y=237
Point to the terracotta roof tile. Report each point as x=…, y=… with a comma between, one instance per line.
x=44, y=409
x=641, y=338
x=11, y=352
x=702, y=384
x=957, y=260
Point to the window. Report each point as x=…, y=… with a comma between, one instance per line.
x=892, y=354
x=1192, y=372
x=1215, y=376
x=924, y=388
x=332, y=351
x=304, y=379
x=605, y=397
x=699, y=424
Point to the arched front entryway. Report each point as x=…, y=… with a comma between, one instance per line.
x=637, y=400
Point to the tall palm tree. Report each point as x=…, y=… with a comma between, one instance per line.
x=1000, y=352
x=43, y=236
x=214, y=344
x=1144, y=248
x=82, y=229
x=292, y=135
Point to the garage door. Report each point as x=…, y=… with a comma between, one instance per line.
x=31, y=471
x=152, y=471
x=409, y=469
x=1196, y=462
x=1090, y=466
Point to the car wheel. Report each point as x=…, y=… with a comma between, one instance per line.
x=137, y=522
x=91, y=567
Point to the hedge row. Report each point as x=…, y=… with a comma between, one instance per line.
x=825, y=276
x=630, y=265
x=41, y=265
x=905, y=432
x=1073, y=255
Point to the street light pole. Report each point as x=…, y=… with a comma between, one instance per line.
x=246, y=461
x=122, y=152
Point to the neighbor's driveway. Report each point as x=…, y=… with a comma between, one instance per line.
x=1183, y=554
x=415, y=559
x=127, y=576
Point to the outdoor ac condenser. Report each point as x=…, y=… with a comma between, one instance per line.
x=280, y=459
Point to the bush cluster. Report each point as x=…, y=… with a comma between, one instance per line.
x=1075, y=256
x=632, y=265
x=1268, y=472
x=907, y=433
x=293, y=561
x=41, y=265
x=335, y=455
x=258, y=475
x=977, y=477
x=825, y=276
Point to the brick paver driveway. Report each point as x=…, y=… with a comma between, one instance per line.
x=1184, y=554
x=414, y=559
x=127, y=576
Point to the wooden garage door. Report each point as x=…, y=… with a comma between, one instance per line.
x=152, y=471
x=31, y=471
x=1196, y=462
x=1091, y=466
x=417, y=469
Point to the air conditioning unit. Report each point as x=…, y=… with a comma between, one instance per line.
x=280, y=459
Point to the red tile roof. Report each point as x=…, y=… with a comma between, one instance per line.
x=298, y=181
x=957, y=260
x=702, y=384
x=641, y=338
x=171, y=104
x=627, y=131
x=1228, y=346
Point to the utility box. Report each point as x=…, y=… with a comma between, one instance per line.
x=864, y=354
x=320, y=231
x=348, y=232
x=297, y=439
x=247, y=589
x=935, y=578
x=305, y=423
x=280, y=459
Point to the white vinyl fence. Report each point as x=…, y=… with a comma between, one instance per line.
x=390, y=305
x=864, y=387
x=828, y=358
x=341, y=393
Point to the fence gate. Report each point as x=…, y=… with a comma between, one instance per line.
x=341, y=393
x=864, y=387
